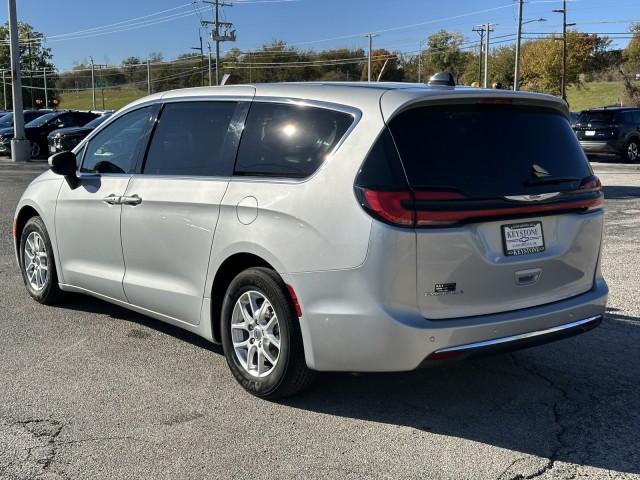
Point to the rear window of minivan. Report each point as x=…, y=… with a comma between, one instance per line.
x=486, y=150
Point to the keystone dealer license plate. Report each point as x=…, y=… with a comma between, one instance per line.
x=522, y=238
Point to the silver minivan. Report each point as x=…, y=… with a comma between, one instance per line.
x=328, y=227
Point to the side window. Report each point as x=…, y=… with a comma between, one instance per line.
x=288, y=140
x=188, y=139
x=63, y=121
x=636, y=117
x=113, y=149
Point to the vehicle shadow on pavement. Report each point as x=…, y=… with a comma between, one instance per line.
x=88, y=304
x=570, y=401
x=562, y=401
x=620, y=192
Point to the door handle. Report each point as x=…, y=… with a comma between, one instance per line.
x=112, y=199
x=132, y=200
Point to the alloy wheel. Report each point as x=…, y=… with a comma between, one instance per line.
x=36, y=261
x=255, y=333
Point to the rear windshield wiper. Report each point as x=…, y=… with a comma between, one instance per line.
x=550, y=181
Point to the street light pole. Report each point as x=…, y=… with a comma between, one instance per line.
x=564, y=48
x=516, y=75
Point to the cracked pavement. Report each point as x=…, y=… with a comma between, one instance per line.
x=90, y=390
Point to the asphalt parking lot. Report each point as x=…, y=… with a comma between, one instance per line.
x=90, y=390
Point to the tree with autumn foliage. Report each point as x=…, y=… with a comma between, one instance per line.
x=384, y=67
x=541, y=61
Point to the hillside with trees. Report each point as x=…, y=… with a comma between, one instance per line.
x=590, y=58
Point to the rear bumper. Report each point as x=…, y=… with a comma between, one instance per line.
x=610, y=146
x=514, y=342
x=347, y=329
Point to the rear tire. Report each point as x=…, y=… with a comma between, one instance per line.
x=261, y=335
x=631, y=151
x=37, y=263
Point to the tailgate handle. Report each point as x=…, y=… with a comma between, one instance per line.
x=528, y=277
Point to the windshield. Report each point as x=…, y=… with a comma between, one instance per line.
x=7, y=119
x=38, y=122
x=596, y=116
x=97, y=121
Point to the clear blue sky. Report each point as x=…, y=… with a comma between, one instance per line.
x=111, y=30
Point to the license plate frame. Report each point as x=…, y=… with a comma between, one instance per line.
x=523, y=238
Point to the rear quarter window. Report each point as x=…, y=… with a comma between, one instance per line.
x=281, y=140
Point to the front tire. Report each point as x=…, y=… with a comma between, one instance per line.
x=37, y=264
x=261, y=335
x=631, y=151
x=35, y=150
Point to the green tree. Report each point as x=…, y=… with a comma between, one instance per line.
x=276, y=62
x=631, y=54
x=340, y=64
x=443, y=53
x=541, y=61
x=502, y=65
x=35, y=59
x=135, y=72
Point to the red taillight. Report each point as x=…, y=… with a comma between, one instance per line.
x=389, y=206
x=590, y=183
x=441, y=209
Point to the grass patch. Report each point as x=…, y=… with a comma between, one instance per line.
x=106, y=99
x=592, y=95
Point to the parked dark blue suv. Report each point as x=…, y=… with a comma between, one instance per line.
x=610, y=130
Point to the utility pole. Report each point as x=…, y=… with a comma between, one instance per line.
x=30, y=74
x=20, y=146
x=46, y=94
x=209, y=48
x=370, y=36
x=516, y=75
x=93, y=83
x=480, y=31
x=420, y=60
x=564, y=47
x=148, y=77
x=201, y=57
x=4, y=90
x=487, y=30
x=227, y=36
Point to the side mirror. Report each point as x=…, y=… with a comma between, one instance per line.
x=64, y=163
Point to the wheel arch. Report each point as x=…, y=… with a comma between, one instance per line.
x=19, y=222
x=227, y=271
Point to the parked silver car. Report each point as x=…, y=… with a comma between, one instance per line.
x=328, y=227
